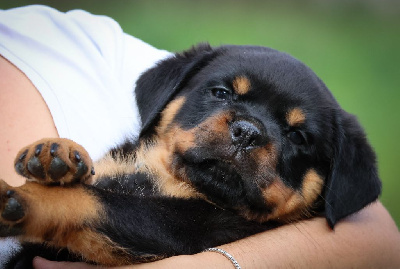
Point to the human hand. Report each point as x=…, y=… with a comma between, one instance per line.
x=40, y=263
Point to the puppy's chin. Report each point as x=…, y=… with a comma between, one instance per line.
x=194, y=164
x=219, y=163
x=222, y=181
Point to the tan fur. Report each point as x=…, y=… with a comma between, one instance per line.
x=216, y=125
x=47, y=204
x=312, y=186
x=62, y=216
x=241, y=85
x=289, y=204
x=154, y=158
x=111, y=167
x=169, y=113
x=295, y=117
x=93, y=247
x=156, y=161
x=281, y=198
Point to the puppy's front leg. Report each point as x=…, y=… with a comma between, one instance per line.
x=53, y=207
x=63, y=217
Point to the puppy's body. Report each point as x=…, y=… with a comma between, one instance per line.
x=235, y=140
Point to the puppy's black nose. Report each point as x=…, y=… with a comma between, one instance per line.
x=246, y=134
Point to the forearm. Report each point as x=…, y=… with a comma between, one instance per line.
x=368, y=239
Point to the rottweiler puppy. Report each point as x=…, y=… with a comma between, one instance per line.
x=235, y=140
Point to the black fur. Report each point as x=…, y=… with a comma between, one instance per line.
x=165, y=80
x=353, y=179
x=169, y=227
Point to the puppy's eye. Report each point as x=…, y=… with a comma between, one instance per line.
x=221, y=93
x=296, y=137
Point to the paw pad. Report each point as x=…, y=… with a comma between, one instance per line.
x=13, y=210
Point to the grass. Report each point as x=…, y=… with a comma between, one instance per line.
x=354, y=50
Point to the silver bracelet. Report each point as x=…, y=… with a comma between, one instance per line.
x=226, y=254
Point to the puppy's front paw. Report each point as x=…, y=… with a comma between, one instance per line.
x=55, y=160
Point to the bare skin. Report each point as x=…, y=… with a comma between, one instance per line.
x=368, y=239
x=24, y=117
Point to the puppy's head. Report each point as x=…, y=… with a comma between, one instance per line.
x=255, y=130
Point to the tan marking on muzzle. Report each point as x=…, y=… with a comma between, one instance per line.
x=289, y=204
x=312, y=187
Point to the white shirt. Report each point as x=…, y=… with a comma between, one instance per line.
x=85, y=67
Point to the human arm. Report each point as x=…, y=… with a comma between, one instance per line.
x=367, y=239
x=24, y=118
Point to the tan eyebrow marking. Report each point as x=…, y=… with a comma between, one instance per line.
x=295, y=117
x=241, y=85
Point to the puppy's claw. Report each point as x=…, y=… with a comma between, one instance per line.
x=38, y=149
x=81, y=170
x=53, y=149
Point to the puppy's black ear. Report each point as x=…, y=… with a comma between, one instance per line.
x=157, y=86
x=354, y=181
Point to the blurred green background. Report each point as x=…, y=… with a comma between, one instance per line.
x=354, y=46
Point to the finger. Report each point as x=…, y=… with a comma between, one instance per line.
x=40, y=263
